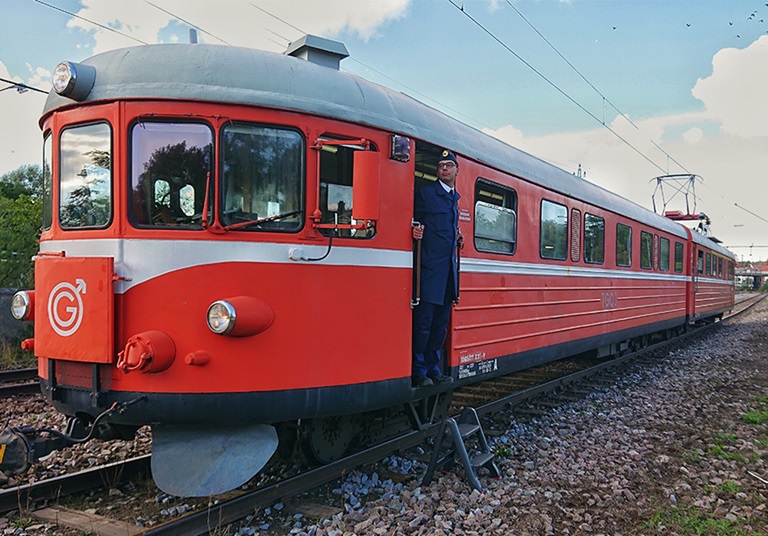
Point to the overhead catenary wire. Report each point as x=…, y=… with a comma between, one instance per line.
x=187, y=22
x=555, y=86
x=590, y=84
x=25, y=86
x=103, y=26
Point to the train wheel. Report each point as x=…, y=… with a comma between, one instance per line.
x=324, y=440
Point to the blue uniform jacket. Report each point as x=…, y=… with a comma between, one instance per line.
x=439, y=214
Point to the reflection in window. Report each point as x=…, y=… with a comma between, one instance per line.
x=646, y=250
x=170, y=167
x=263, y=174
x=85, y=175
x=336, y=171
x=623, y=245
x=495, y=217
x=664, y=255
x=554, y=231
x=47, y=182
x=700, y=262
x=594, y=239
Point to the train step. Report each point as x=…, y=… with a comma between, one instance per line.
x=458, y=431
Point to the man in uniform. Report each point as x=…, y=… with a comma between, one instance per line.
x=436, y=209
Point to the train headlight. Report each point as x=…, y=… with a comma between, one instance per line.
x=221, y=317
x=239, y=316
x=73, y=80
x=22, y=305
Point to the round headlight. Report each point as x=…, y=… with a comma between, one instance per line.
x=64, y=76
x=73, y=80
x=221, y=317
x=21, y=305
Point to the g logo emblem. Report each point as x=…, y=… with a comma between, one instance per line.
x=65, y=307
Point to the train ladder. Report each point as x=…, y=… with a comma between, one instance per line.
x=459, y=432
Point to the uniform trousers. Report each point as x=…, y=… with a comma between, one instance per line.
x=430, y=326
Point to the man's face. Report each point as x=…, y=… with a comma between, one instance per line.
x=447, y=171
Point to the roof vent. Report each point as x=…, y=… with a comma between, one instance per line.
x=318, y=50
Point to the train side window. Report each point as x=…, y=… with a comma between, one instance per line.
x=575, y=235
x=495, y=217
x=47, y=182
x=85, y=176
x=594, y=239
x=679, y=254
x=623, y=245
x=262, y=177
x=709, y=263
x=646, y=250
x=720, y=267
x=170, y=169
x=336, y=173
x=700, y=263
x=554, y=231
x=730, y=270
x=664, y=254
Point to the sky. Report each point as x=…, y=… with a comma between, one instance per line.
x=624, y=90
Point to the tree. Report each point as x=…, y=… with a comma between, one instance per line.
x=21, y=193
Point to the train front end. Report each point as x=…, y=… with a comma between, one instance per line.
x=196, y=273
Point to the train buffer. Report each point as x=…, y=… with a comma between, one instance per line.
x=455, y=434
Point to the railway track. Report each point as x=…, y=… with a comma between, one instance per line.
x=566, y=379
x=18, y=382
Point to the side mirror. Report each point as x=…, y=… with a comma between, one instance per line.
x=366, y=180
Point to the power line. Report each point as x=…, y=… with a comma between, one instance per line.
x=185, y=21
x=22, y=85
x=605, y=99
x=90, y=21
x=555, y=86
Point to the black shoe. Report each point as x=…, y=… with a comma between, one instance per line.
x=440, y=378
x=420, y=381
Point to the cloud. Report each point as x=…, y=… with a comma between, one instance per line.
x=734, y=93
x=236, y=22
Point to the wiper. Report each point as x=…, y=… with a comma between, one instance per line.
x=263, y=220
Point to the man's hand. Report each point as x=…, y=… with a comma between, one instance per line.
x=460, y=239
x=418, y=232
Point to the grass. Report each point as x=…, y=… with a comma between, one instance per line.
x=692, y=522
x=755, y=416
x=12, y=356
x=730, y=487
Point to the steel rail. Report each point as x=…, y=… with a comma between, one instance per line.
x=12, y=389
x=14, y=375
x=24, y=497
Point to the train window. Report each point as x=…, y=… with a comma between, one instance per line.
x=262, y=177
x=495, y=217
x=700, y=263
x=336, y=173
x=679, y=249
x=170, y=169
x=709, y=264
x=47, y=182
x=664, y=254
x=575, y=235
x=623, y=245
x=85, y=176
x=554, y=231
x=594, y=239
x=720, y=267
x=646, y=250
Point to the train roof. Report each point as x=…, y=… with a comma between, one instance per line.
x=245, y=76
x=707, y=242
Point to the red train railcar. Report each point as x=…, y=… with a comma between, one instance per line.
x=227, y=248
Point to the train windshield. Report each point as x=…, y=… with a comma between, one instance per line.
x=262, y=178
x=170, y=168
x=85, y=175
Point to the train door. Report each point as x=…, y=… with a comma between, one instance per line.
x=425, y=175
